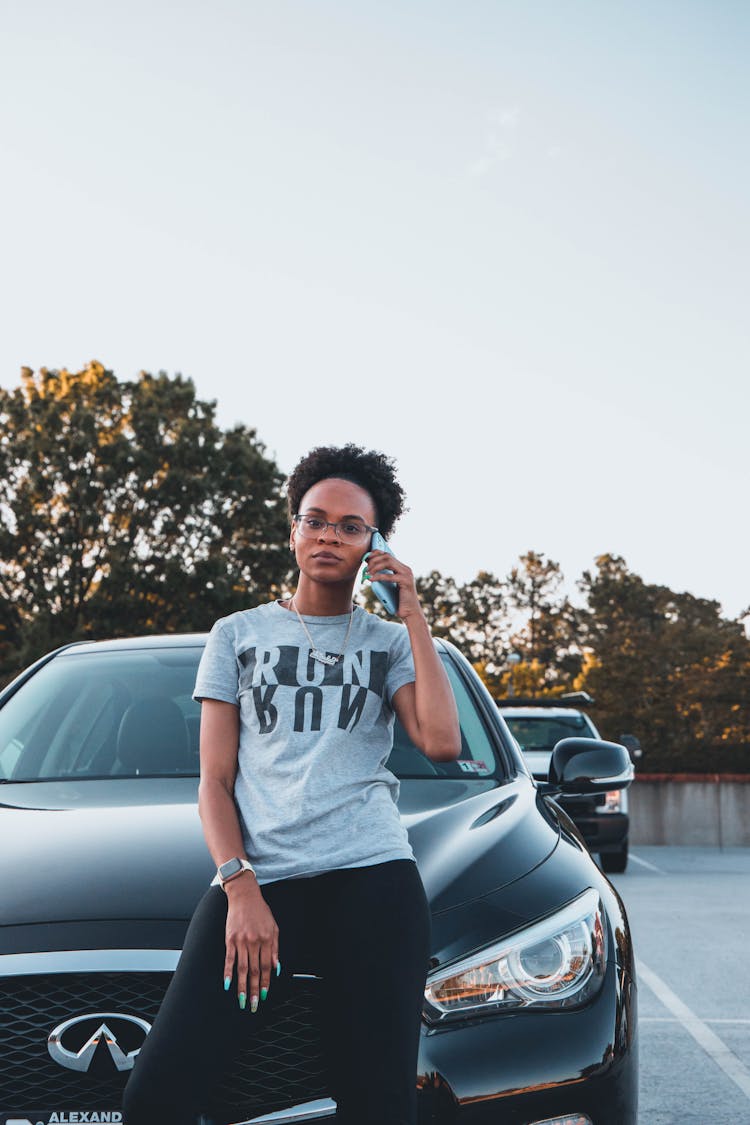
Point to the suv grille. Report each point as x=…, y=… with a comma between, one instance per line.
x=285, y=1068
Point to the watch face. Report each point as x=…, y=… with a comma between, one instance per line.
x=231, y=867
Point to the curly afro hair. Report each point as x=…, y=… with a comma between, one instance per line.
x=370, y=470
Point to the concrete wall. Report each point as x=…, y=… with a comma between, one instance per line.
x=707, y=809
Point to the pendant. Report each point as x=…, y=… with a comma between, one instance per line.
x=323, y=657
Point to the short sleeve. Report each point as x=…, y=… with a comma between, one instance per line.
x=218, y=676
x=400, y=664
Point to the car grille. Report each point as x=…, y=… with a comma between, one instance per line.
x=286, y=1068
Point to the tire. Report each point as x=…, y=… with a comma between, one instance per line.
x=614, y=862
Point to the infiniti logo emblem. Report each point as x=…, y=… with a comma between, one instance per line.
x=100, y=1032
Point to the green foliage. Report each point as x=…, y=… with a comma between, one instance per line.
x=548, y=637
x=471, y=616
x=482, y=631
x=664, y=666
x=441, y=601
x=125, y=509
x=668, y=668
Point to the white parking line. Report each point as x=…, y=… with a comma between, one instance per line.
x=645, y=863
x=673, y=1019
x=733, y=1067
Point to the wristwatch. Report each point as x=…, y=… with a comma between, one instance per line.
x=229, y=870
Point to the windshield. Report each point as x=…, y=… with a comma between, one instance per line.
x=543, y=732
x=131, y=714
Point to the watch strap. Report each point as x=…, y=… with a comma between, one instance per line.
x=245, y=866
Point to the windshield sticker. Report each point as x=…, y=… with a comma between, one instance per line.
x=473, y=767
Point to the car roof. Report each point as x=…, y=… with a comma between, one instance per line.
x=154, y=640
x=539, y=712
x=158, y=640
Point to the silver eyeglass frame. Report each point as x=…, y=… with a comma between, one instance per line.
x=328, y=523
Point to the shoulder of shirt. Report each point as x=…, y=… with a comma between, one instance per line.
x=373, y=621
x=243, y=617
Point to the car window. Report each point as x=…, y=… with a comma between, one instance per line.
x=104, y=715
x=131, y=714
x=478, y=759
x=542, y=732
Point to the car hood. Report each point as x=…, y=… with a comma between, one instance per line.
x=125, y=849
x=471, y=838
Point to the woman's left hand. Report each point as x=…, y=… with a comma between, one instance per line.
x=378, y=562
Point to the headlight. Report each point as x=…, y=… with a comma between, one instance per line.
x=558, y=962
x=612, y=801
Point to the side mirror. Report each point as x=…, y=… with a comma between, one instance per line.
x=632, y=745
x=588, y=765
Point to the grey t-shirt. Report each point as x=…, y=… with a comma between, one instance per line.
x=312, y=789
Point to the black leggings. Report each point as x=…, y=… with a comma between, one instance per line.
x=366, y=931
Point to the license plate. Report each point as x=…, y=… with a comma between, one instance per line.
x=63, y=1117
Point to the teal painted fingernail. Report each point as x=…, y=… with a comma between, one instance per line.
x=278, y=967
x=254, y=1004
x=365, y=575
x=263, y=993
x=243, y=1000
x=227, y=982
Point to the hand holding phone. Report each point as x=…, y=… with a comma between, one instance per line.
x=385, y=592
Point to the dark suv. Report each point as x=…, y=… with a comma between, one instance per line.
x=537, y=726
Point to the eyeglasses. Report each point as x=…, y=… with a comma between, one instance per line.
x=348, y=531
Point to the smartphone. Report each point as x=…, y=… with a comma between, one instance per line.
x=385, y=592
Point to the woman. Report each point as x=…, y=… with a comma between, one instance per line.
x=315, y=873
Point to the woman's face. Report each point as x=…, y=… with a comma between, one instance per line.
x=326, y=558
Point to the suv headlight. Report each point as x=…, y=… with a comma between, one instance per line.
x=558, y=962
x=612, y=801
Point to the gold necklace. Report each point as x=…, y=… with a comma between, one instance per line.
x=315, y=652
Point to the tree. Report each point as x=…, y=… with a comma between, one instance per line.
x=439, y=597
x=471, y=616
x=662, y=665
x=482, y=628
x=667, y=667
x=124, y=508
x=547, y=637
x=441, y=602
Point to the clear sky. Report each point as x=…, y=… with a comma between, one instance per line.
x=505, y=242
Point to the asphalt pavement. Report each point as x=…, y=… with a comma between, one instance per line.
x=689, y=912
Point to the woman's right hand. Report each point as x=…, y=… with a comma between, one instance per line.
x=252, y=940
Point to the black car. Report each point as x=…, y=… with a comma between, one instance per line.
x=538, y=725
x=530, y=1006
